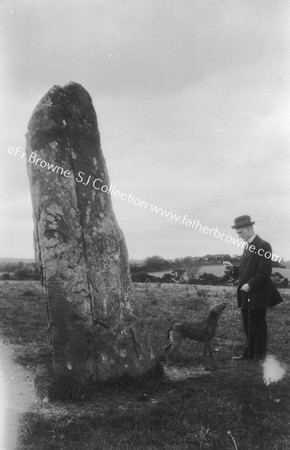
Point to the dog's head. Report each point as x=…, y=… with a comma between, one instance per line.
x=215, y=310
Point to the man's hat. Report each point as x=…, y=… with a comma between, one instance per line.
x=243, y=221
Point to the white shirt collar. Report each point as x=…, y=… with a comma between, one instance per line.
x=251, y=239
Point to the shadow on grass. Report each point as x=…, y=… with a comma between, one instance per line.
x=65, y=388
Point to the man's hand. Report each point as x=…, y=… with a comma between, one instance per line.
x=245, y=287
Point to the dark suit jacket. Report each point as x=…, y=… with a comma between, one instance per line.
x=255, y=269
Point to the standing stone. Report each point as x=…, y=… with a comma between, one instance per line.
x=79, y=246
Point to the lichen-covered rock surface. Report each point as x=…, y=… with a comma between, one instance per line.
x=81, y=251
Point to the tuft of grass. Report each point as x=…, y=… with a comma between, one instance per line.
x=28, y=293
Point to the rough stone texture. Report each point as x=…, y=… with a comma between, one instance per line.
x=79, y=246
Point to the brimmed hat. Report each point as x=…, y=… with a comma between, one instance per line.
x=243, y=221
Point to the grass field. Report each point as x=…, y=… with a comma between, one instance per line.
x=229, y=407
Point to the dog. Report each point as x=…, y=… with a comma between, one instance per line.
x=202, y=331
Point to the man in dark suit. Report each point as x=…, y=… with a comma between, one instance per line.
x=255, y=290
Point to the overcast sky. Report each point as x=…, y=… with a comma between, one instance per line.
x=192, y=99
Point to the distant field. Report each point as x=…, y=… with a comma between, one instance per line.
x=159, y=274
x=218, y=270
x=214, y=269
x=284, y=272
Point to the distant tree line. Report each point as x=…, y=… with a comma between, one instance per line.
x=19, y=271
x=159, y=264
x=179, y=270
x=175, y=277
x=186, y=270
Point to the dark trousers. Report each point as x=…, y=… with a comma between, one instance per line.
x=256, y=346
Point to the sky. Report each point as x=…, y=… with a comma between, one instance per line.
x=192, y=100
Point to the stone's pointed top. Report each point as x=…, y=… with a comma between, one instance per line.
x=54, y=88
x=69, y=85
x=74, y=85
x=50, y=93
x=79, y=112
x=50, y=98
x=62, y=94
x=61, y=103
x=75, y=93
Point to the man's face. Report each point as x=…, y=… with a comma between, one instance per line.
x=245, y=233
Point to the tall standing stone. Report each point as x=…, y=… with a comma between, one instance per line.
x=79, y=246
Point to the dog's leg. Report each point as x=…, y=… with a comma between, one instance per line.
x=207, y=348
x=173, y=346
x=167, y=347
x=172, y=350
